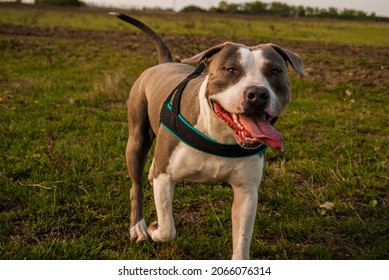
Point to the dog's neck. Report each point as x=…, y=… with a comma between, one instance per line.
x=208, y=123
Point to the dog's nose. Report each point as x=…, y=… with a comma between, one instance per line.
x=257, y=96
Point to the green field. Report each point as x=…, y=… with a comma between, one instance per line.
x=349, y=32
x=65, y=75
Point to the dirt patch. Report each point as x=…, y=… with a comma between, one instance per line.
x=327, y=63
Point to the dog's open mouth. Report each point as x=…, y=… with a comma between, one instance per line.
x=251, y=130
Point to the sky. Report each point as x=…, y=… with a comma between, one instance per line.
x=380, y=7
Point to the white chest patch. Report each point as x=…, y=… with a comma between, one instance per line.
x=192, y=165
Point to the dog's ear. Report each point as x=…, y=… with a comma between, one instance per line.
x=294, y=59
x=205, y=54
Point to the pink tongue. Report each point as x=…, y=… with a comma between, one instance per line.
x=261, y=129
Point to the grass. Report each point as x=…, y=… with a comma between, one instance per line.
x=336, y=31
x=64, y=188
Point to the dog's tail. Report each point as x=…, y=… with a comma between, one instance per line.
x=164, y=53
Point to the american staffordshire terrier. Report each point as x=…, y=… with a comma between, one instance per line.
x=235, y=104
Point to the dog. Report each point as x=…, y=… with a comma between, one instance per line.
x=233, y=104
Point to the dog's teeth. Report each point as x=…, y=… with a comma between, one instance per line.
x=235, y=118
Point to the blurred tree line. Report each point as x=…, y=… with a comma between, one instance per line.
x=255, y=8
x=282, y=9
x=74, y=3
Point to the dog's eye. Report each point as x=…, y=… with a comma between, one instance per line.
x=276, y=71
x=232, y=70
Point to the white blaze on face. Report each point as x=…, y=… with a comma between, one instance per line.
x=232, y=98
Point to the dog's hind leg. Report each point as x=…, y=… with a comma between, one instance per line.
x=139, y=143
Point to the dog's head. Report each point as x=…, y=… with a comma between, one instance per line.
x=248, y=88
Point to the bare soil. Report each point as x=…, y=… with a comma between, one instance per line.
x=326, y=63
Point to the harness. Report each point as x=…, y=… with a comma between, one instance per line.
x=174, y=122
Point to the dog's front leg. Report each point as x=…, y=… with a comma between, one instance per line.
x=164, y=229
x=243, y=216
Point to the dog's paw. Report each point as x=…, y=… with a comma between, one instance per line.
x=159, y=235
x=138, y=232
x=152, y=228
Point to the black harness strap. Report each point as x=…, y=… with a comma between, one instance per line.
x=174, y=122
